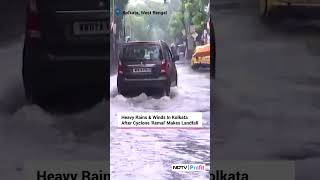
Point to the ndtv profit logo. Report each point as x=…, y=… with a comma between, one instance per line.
x=188, y=167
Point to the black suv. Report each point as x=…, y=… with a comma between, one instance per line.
x=66, y=47
x=145, y=65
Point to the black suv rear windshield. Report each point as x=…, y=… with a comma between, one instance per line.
x=141, y=52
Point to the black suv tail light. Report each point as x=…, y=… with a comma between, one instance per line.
x=33, y=20
x=120, y=68
x=164, y=66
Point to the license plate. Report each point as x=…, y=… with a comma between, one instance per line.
x=142, y=70
x=205, y=60
x=90, y=28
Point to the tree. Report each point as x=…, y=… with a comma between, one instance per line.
x=198, y=16
x=176, y=24
x=147, y=27
x=192, y=13
x=118, y=20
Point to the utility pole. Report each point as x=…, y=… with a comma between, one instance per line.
x=113, y=11
x=189, y=44
x=113, y=39
x=124, y=28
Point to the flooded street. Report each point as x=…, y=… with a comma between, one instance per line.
x=149, y=153
x=267, y=90
x=27, y=132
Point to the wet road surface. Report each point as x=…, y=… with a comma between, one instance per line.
x=267, y=90
x=149, y=153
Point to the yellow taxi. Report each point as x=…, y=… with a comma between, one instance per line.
x=201, y=57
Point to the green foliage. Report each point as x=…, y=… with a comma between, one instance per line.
x=188, y=6
x=137, y=26
x=175, y=24
x=192, y=11
x=121, y=5
x=198, y=20
x=147, y=27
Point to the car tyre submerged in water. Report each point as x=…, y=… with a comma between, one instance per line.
x=28, y=94
x=195, y=66
x=176, y=80
x=166, y=90
x=26, y=85
x=41, y=90
x=122, y=91
x=30, y=87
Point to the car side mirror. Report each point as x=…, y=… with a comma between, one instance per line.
x=175, y=58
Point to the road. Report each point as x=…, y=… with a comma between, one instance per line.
x=27, y=132
x=267, y=90
x=149, y=153
x=266, y=104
